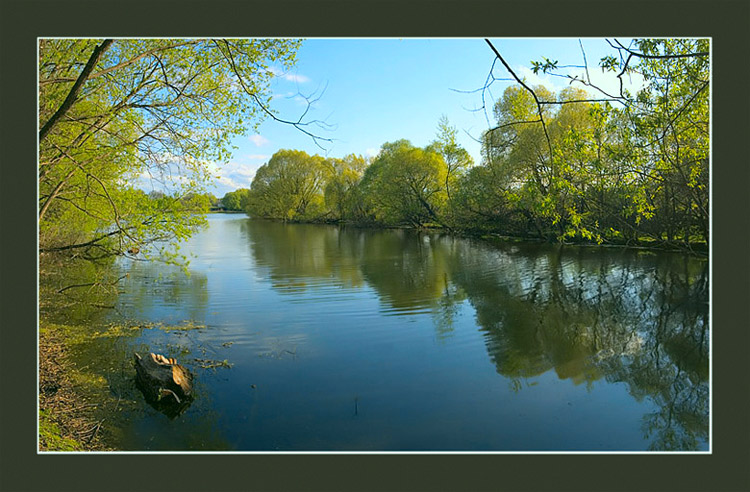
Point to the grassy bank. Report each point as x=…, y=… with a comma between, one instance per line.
x=67, y=409
x=77, y=406
x=87, y=389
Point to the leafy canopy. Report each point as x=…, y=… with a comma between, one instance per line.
x=119, y=115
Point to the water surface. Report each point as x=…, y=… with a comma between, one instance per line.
x=344, y=339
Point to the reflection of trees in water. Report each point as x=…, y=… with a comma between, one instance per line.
x=296, y=254
x=78, y=291
x=641, y=320
x=151, y=283
x=672, y=366
x=407, y=270
x=588, y=314
x=89, y=292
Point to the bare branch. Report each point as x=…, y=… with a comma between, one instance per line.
x=296, y=124
x=659, y=57
x=529, y=89
x=585, y=63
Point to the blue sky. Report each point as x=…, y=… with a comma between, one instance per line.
x=373, y=91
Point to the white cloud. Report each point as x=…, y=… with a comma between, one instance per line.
x=258, y=140
x=292, y=77
x=230, y=183
x=257, y=157
x=234, y=175
x=371, y=152
x=296, y=78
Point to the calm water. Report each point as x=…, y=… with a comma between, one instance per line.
x=351, y=339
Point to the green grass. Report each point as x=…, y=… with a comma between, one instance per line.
x=51, y=438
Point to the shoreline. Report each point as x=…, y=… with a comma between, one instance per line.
x=67, y=421
x=700, y=249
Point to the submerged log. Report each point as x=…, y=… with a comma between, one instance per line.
x=166, y=385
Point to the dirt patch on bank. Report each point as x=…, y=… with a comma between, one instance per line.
x=67, y=416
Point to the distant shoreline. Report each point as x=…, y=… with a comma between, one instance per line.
x=695, y=249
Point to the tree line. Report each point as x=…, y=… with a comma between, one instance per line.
x=624, y=169
x=115, y=114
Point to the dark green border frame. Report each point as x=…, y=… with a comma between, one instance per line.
x=726, y=21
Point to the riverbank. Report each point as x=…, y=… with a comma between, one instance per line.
x=68, y=419
x=699, y=249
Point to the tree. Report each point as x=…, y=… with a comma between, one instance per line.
x=115, y=113
x=482, y=201
x=234, y=200
x=405, y=184
x=518, y=145
x=670, y=116
x=288, y=187
x=341, y=193
x=616, y=166
x=457, y=159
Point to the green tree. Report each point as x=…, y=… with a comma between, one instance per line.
x=618, y=167
x=457, y=159
x=341, y=193
x=115, y=113
x=289, y=187
x=519, y=145
x=405, y=185
x=670, y=116
x=482, y=201
x=234, y=200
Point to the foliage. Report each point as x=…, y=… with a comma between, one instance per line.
x=235, y=200
x=405, y=185
x=622, y=169
x=117, y=115
x=342, y=195
x=457, y=159
x=289, y=187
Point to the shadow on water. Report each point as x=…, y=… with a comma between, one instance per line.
x=588, y=314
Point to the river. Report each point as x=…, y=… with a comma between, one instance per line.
x=346, y=339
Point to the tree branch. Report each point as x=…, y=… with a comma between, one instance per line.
x=296, y=124
x=76, y=89
x=530, y=90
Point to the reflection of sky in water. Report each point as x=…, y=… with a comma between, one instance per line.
x=383, y=340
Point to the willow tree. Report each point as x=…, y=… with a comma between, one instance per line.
x=116, y=116
x=406, y=185
x=519, y=144
x=342, y=196
x=289, y=187
x=235, y=200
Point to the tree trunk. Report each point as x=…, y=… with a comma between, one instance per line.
x=162, y=379
x=73, y=94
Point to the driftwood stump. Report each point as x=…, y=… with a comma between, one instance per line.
x=167, y=386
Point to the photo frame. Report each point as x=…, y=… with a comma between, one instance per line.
x=22, y=468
